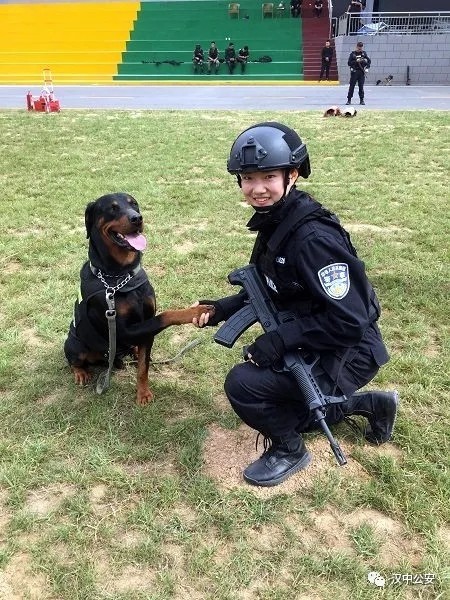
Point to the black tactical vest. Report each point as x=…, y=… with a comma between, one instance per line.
x=95, y=334
x=292, y=293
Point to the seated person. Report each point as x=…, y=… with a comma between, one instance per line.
x=318, y=6
x=198, y=59
x=296, y=8
x=230, y=57
x=213, y=58
x=242, y=58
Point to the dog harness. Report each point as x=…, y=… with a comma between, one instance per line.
x=93, y=282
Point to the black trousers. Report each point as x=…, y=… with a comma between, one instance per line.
x=231, y=65
x=243, y=64
x=271, y=402
x=325, y=68
x=356, y=77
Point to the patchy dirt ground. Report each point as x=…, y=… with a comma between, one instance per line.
x=227, y=453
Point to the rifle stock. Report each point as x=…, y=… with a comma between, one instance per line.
x=260, y=308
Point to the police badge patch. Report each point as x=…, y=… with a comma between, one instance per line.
x=335, y=280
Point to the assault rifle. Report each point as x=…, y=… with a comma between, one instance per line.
x=259, y=307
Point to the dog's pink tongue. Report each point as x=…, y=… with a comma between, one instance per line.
x=136, y=241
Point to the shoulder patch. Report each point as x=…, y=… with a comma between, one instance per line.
x=335, y=280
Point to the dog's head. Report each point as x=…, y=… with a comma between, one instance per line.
x=333, y=111
x=114, y=227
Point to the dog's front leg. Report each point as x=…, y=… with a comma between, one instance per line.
x=81, y=375
x=144, y=394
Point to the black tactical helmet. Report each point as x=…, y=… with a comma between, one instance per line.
x=266, y=147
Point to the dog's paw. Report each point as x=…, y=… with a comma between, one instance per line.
x=81, y=376
x=202, y=309
x=144, y=396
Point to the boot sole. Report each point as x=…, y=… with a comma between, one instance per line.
x=302, y=464
x=373, y=440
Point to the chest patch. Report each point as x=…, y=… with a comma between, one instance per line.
x=335, y=280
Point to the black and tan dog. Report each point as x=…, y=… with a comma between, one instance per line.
x=114, y=227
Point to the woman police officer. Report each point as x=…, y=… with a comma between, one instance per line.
x=311, y=268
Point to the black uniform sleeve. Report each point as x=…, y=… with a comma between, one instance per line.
x=352, y=61
x=346, y=306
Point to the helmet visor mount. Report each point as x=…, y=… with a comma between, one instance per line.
x=268, y=147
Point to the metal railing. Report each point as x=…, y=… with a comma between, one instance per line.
x=398, y=23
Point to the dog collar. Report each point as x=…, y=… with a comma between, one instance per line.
x=95, y=271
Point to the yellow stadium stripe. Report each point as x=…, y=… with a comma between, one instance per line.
x=76, y=41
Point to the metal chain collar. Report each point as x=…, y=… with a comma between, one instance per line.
x=111, y=290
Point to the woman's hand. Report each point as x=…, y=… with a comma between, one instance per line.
x=201, y=321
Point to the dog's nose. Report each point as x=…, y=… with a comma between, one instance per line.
x=135, y=218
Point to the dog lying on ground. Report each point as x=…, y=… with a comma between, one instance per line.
x=114, y=227
x=386, y=81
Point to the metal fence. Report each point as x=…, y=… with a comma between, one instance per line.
x=388, y=23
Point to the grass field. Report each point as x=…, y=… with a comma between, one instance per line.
x=102, y=499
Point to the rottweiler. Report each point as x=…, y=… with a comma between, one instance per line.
x=114, y=227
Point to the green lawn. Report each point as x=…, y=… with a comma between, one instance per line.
x=102, y=499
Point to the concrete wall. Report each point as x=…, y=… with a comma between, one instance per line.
x=411, y=5
x=428, y=57
x=340, y=6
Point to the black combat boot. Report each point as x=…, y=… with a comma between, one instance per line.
x=379, y=408
x=283, y=458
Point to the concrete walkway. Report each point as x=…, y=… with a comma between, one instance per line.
x=232, y=97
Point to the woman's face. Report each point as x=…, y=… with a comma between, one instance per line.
x=264, y=188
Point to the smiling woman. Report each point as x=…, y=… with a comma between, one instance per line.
x=312, y=271
x=264, y=189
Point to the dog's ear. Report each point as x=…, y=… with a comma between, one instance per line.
x=89, y=218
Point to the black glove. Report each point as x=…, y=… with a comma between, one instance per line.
x=267, y=349
x=225, y=307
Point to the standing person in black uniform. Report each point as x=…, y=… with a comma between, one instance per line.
x=311, y=268
x=242, y=58
x=359, y=64
x=354, y=9
x=213, y=58
x=230, y=57
x=327, y=57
